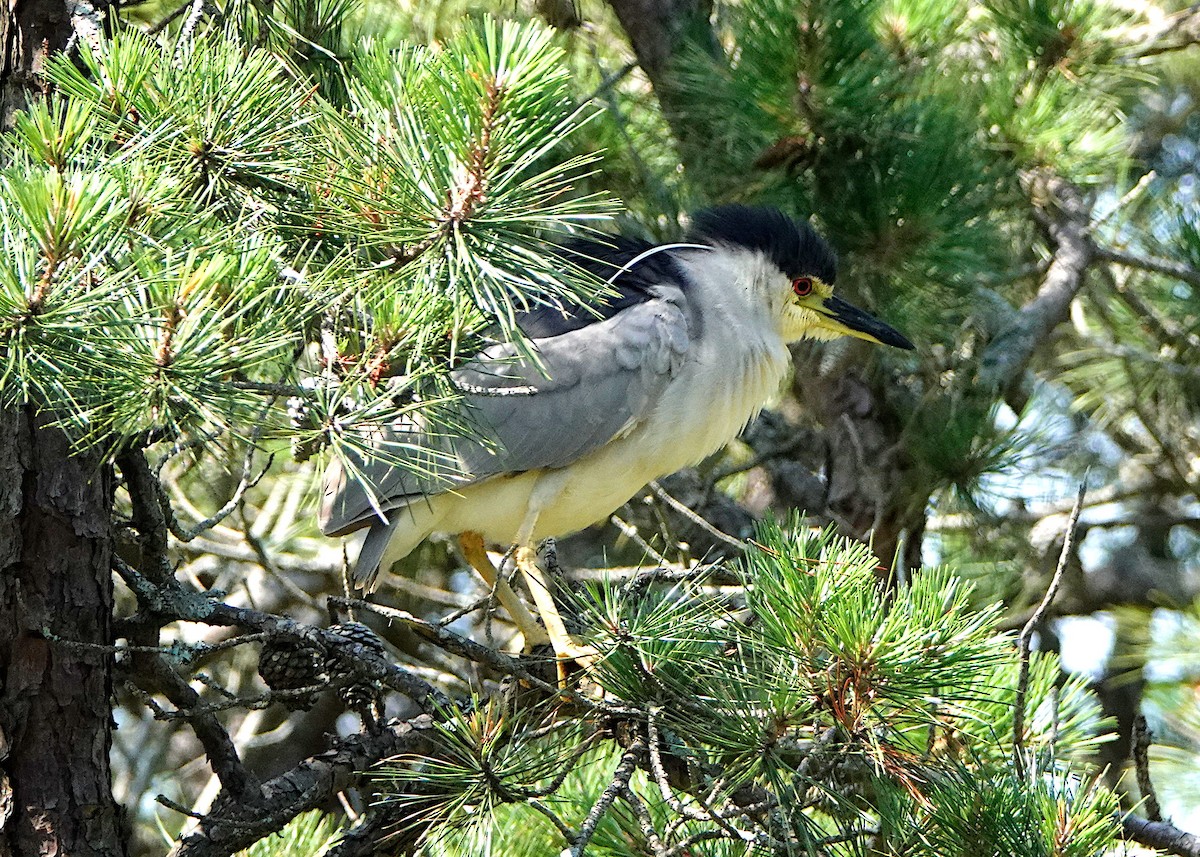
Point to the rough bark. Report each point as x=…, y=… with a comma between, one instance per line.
x=234, y=825
x=55, y=594
x=871, y=489
x=657, y=31
x=30, y=31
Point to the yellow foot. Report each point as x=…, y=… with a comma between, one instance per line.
x=568, y=652
x=566, y=649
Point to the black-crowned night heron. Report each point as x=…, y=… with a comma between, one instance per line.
x=662, y=375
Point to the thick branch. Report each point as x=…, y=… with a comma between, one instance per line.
x=1067, y=216
x=150, y=516
x=154, y=673
x=656, y=29
x=1161, y=835
x=232, y=825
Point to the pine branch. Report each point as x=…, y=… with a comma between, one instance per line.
x=1175, y=31
x=1155, y=265
x=1067, y=217
x=232, y=826
x=620, y=781
x=151, y=513
x=156, y=676
x=1161, y=835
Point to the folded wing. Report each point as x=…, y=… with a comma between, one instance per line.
x=592, y=382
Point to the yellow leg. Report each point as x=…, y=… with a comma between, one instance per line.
x=564, y=644
x=476, y=555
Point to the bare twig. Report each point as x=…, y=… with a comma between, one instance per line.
x=167, y=21
x=179, y=652
x=1024, y=641
x=686, y=846
x=245, y=483
x=611, y=80
x=567, y=833
x=248, y=703
x=1142, y=737
x=620, y=781
x=178, y=807
x=765, y=456
x=454, y=615
x=154, y=674
x=645, y=822
x=692, y=517
x=1167, y=267
x=467, y=648
x=631, y=532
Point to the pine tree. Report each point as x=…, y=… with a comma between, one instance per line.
x=237, y=241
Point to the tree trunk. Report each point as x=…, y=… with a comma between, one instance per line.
x=871, y=490
x=30, y=31
x=55, y=594
x=657, y=30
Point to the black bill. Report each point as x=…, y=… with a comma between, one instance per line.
x=863, y=325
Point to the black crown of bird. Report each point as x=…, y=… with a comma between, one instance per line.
x=687, y=347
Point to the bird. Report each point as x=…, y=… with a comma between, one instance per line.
x=605, y=397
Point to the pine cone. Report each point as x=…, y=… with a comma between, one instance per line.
x=287, y=665
x=358, y=694
x=361, y=634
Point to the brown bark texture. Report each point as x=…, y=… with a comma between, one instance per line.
x=56, y=593
x=658, y=30
x=871, y=489
x=30, y=31
x=56, y=604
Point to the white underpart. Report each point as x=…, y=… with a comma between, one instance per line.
x=734, y=366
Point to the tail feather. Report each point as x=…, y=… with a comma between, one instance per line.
x=387, y=543
x=366, y=567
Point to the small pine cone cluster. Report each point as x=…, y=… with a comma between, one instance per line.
x=288, y=665
x=359, y=694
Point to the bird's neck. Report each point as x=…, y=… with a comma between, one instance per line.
x=734, y=288
x=738, y=358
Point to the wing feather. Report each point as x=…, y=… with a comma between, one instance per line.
x=595, y=382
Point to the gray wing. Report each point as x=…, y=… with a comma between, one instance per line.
x=594, y=384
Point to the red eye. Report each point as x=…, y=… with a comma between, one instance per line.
x=802, y=286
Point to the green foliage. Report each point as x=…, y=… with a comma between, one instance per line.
x=1050, y=813
x=183, y=218
x=488, y=755
x=463, y=188
x=196, y=227
x=825, y=618
x=886, y=154
x=857, y=709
